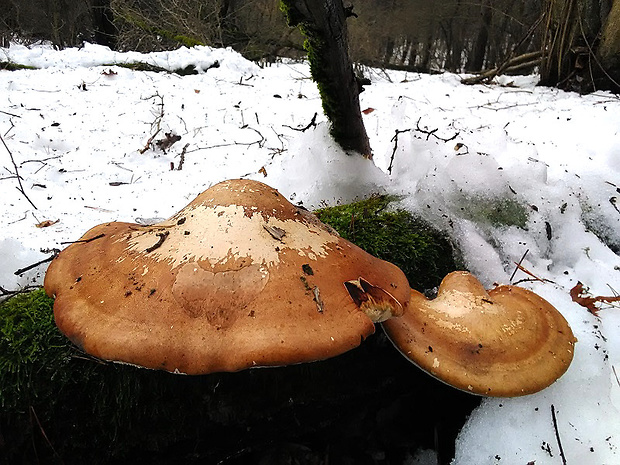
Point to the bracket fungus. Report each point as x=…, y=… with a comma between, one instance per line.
x=238, y=278
x=505, y=342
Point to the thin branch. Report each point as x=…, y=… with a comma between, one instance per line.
x=311, y=124
x=557, y=434
x=40, y=262
x=19, y=179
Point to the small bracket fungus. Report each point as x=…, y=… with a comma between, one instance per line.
x=239, y=278
x=505, y=342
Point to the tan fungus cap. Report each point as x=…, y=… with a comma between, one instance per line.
x=239, y=278
x=505, y=342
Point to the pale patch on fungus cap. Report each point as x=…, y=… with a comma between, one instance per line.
x=239, y=237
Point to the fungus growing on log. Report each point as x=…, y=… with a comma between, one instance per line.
x=505, y=342
x=238, y=278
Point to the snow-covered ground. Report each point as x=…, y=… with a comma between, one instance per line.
x=546, y=162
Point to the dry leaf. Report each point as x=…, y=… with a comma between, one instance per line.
x=368, y=110
x=263, y=171
x=46, y=223
x=197, y=91
x=585, y=299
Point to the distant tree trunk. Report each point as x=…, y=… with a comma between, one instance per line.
x=573, y=56
x=475, y=61
x=103, y=23
x=323, y=23
x=609, y=48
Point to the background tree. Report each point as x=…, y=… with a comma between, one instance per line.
x=581, y=45
x=323, y=23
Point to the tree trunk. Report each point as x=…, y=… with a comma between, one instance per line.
x=609, y=49
x=573, y=57
x=476, y=59
x=103, y=23
x=323, y=23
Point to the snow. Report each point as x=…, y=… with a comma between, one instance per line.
x=550, y=159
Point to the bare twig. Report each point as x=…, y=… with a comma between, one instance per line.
x=162, y=237
x=156, y=124
x=182, y=157
x=432, y=132
x=557, y=434
x=84, y=241
x=311, y=124
x=518, y=265
x=40, y=262
x=19, y=179
x=395, y=140
x=6, y=293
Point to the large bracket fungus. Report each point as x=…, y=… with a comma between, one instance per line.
x=505, y=342
x=238, y=278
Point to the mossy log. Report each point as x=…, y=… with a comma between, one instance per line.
x=60, y=405
x=324, y=26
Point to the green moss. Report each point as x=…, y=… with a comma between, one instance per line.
x=140, y=66
x=495, y=211
x=423, y=253
x=10, y=66
x=29, y=341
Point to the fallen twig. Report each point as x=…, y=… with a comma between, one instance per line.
x=311, y=124
x=518, y=265
x=162, y=237
x=557, y=434
x=395, y=140
x=34, y=265
x=6, y=294
x=84, y=241
x=432, y=132
x=19, y=179
x=156, y=124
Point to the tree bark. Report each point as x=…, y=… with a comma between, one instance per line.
x=609, y=47
x=573, y=57
x=476, y=59
x=323, y=23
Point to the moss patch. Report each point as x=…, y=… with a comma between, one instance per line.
x=494, y=211
x=10, y=66
x=423, y=253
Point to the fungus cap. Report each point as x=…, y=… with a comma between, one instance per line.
x=505, y=342
x=238, y=278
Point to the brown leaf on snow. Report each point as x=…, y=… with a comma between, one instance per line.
x=46, y=223
x=367, y=111
x=165, y=143
x=585, y=299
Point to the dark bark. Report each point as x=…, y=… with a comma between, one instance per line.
x=476, y=58
x=581, y=46
x=323, y=23
x=103, y=23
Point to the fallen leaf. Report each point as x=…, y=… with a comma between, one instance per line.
x=46, y=223
x=263, y=171
x=585, y=299
x=368, y=111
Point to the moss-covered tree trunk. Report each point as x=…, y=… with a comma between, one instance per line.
x=323, y=23
x=581, y=45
